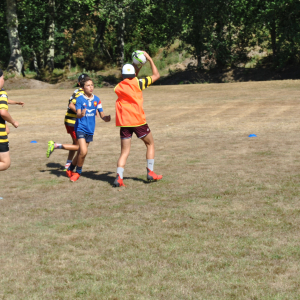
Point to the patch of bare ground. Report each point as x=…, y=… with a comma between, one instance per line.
x=26, y=83
x=223, y=223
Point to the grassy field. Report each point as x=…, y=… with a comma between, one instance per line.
x=223, y=223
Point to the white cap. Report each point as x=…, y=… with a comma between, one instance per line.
x=128, y=71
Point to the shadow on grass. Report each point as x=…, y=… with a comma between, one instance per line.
x=193, y=75
x=58, y=170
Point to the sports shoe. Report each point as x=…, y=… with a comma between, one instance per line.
x=118, y=181
x=50, y=148
x=70, y=173
x=152, y=176
x=75, y=177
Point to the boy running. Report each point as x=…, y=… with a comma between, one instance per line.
x=4, y=116
x=70, y=120
x=16, y=103
x=86, y=110
x=130, y=117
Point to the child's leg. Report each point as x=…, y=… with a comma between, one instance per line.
x=125, y=150
x=71, y=153
x=149, y=142
x=4, y=161
x=72, y=150
x=52, y=146
x=82, y=152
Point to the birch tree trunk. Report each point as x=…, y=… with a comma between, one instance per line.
x=16, y=59
x=51, y=39
x=70, y=51
x=120, y=42
x=35, y=63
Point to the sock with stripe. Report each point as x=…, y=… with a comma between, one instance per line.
x=57, y=146
x=68, y=163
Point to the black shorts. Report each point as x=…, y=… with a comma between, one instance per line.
x=140, y=131
x=4, y=147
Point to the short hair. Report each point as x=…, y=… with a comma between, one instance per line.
x=1, y=73
x=81, y=78
x=86, y=79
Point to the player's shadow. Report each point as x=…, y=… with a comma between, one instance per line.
x=58, y=170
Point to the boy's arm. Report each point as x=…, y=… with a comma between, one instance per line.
x=103, y=117
x=155, y=73
x=72, y=107
x=15, y=102
x=137, y=70
x=7, y=117
x=79, y=112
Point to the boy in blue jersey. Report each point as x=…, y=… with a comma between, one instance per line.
x=86, y=110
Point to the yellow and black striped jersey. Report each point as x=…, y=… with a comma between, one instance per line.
x=3, y=105
x=145, y=82
x=70, y=117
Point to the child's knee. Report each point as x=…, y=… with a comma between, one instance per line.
x=83, y=153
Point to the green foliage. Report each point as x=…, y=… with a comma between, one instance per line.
x=5, y=50
x=89, y=33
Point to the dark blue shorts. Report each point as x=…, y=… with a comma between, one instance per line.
x=81, y=135
x=4, y=147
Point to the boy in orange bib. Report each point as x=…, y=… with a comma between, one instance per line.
x=130, y=117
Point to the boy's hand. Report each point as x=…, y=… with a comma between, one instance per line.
x=147, y=55
x=137, y=69
x=15, y=124
x=106, y=118
x=21, y=103
x=83, y=111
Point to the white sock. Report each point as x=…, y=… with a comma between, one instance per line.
x=120, y=171
x=150, y=164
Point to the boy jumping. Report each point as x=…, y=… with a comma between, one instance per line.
x=4, y=116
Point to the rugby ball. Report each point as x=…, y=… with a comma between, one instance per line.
x=138, y=57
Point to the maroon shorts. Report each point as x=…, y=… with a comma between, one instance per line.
x=140, y=131
x=71, y=131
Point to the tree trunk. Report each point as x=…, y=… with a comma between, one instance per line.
x=99, y=40
x=16, y=59
x=51, y=40
x=99, y=36
x=273, y=38
x=35, y=63
x=68, y=64
x=120, y=42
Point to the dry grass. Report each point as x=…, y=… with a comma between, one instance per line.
x=222, y=224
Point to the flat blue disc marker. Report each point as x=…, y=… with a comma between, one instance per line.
x=33, y=142
x=252, y=135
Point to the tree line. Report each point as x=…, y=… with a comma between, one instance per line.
x=41, y=35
